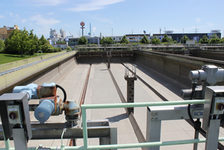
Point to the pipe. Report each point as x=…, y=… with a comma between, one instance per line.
x=143, y=104
x=147, y=144
x=44, y=110
x=133, y=145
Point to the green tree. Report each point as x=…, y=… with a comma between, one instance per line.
x=82, y=41
x=166, y=39
x=214, y=39
x=13, y=42
x=222, y=40
x=106, y=41
x=44, y=45
x=124, y=40
x=34, y=43
x=155, y=40
x=26, y=43
x=43, y=41
x=144, y=40
x=2, y=45
x=68, y=49
x=184, y=39
x=204, y=40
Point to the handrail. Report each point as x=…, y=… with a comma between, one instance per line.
x=142, y=104
x=131, y=145
x=125, y=105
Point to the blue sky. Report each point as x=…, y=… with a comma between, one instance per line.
x=113, y=17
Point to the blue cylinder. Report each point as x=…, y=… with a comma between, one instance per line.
x=44, y=110
x=30, y=89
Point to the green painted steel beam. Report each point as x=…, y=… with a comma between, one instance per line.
x=142, y=104
x=85, y=132
x=125, y=105
x=149, y=144
x=133, y=145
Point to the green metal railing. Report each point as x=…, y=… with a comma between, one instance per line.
x=126, y=105
x=132, y=145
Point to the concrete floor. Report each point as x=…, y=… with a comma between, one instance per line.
x=102, y=90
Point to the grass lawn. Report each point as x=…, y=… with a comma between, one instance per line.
x=6, y=58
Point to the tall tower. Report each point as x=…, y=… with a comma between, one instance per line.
x=63, y=34
x=82, y=27
x=90, y=30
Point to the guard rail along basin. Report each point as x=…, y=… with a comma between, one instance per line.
x=16, y=76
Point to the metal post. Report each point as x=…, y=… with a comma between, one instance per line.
x=74, y=142
x=7, y=143
x=84, y=124
x=153, y=130
x=19, y=138
x=108, y=59
x=130, y=88
x=113, y=136
x=196, y=136
x=212, y=134
x=112, y=139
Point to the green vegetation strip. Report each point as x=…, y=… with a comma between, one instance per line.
x=12, y=78
x=9, y=61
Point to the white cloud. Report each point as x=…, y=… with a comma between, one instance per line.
x=209, y=24
x=94, y=5
x=198, y=20
x=2, y=16
x=42, y=24
x=11, y=14
x=103, y=19
x=50, y=13
x=48, y=2
x=23, y=20
x=42, y=21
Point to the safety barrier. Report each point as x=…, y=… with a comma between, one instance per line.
x=7, y=66
x=8, y=80
x=122, y=146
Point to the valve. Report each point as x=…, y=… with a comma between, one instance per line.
x=50, y=103
x=48, y=107
x=72, y=112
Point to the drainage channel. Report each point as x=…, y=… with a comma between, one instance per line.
x=201, y=131
x=131, y=117
x=82, y=100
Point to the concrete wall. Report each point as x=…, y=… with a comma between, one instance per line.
x=177, y=67
x=8, y=81
x=211, y=54
x=101, y=57
x=7, y=66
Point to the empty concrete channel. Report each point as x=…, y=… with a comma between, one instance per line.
x=160, y=77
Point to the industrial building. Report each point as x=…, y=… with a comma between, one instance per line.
x=135, y=38
x=132, y=38
x=6, y=31
x=192, y=36
x=91, y=40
